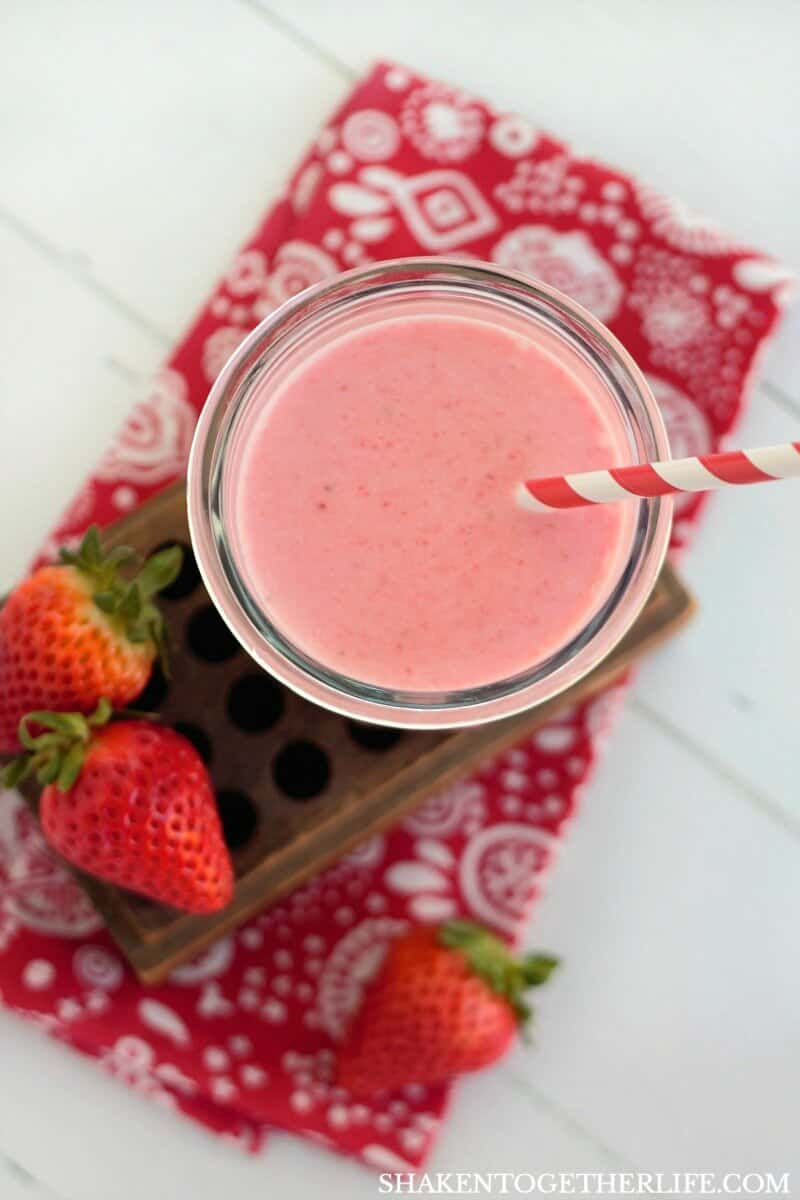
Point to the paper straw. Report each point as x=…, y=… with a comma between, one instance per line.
x=702, y=474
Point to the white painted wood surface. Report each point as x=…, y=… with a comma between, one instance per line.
x=140, y=142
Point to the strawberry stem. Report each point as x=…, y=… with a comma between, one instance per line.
x=55, y=756
x=493, y=961
x=70, y=767
x=101, y=714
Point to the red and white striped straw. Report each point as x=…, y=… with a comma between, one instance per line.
x=662, y=478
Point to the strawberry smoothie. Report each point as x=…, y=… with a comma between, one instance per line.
x=374, y=510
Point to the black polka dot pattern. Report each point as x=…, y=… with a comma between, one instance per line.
x=255, y=703
x=238, y=816
x=376, y=738
x=209, y=637
x=301, y=770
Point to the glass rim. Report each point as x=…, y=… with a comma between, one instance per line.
x=273, y=650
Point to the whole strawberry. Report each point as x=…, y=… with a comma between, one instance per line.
x=74, y=632
x=129, y=802
x=447, y=1000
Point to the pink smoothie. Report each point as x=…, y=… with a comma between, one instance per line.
x=374, y=507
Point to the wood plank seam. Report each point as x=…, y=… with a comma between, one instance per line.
x=300, y=39
x=569, y=1123
x=64, y=261
x=742, y=785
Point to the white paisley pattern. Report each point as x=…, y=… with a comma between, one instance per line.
x=499, y=871
x=567, y=261
x=370, y=135
x=134, y=1061
x=305, y=188
x=153, y=445
x=36, y=890
x=443, y=209
x=601, y=712
x=680, y=227
x=462, y=806
x=442, y=123
x=211, y=964
x=764, y=275
x=367, y=854
x=218, y=348
x=549, y=187
x=248, y=273
x=513, y=135
x=296, y=266
x=349, y=968
x=557, y=736
x=428, y=881
x=674, y=319
x=96, y=967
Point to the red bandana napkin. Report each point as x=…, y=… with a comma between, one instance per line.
x=244, y=1038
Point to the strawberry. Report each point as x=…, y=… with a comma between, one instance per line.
x=446, y=1000
x=74, y=632
x=130, y=802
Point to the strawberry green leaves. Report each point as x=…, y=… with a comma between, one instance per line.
x=493, y=961
x=127, y=602
x=56, y=755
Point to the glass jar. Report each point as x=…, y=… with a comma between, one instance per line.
x=314, y=319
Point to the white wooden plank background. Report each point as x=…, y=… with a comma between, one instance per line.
x=140, y=141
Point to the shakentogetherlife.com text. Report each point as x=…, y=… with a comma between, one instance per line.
x=584, y=1183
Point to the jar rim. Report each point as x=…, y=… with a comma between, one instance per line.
x=268, y=645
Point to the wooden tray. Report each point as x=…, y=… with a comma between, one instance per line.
x=297, y=786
